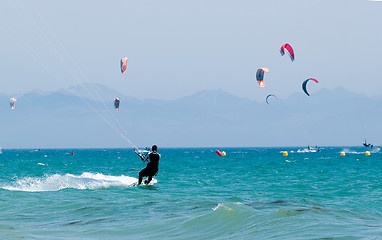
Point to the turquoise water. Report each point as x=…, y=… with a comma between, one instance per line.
x=252, y=193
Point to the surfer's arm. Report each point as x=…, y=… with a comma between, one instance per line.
x=145, y=158
x=139, y=155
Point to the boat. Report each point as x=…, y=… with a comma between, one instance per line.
x=309, y=149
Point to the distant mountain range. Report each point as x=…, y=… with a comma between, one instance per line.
x=83, y=117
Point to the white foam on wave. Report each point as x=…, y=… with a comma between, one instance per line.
x=375, y=150
x=221, y=206
x=58, y=182
x=372, y=150
x=349, y=151
x=305, y=150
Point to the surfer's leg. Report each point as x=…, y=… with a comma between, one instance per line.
x=141, y=175
x=149, y=179
x=140, y=178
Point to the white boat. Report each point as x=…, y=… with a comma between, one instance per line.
x=309, y=149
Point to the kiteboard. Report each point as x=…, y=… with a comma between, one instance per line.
x=143, y=184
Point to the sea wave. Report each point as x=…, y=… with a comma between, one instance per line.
x=58, y=182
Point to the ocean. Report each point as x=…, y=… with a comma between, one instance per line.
x=251, y=193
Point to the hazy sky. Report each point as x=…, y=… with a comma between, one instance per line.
x=176, y=48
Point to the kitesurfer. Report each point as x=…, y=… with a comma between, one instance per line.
x=152, y=166
x=367, y=144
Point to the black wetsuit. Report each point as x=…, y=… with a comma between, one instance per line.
x=368, y=145
x=151, y=169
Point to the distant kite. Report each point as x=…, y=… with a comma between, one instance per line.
x=260, y=76
x=305, y=82
x=270, y=95
x=116, y=104
x=12, y=102
x=124, y=64
x=286, y=47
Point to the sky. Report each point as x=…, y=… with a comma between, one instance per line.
x=177, y=48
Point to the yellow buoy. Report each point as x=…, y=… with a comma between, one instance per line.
x=285, y=153
x=342, y=153
x=367, y=153
x=223, y=153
